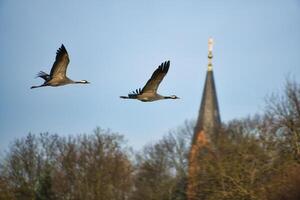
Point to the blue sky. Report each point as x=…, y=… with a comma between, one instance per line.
x=116, y=45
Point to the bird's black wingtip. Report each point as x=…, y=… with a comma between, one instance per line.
x=167, y=63
x=62, y=47
x=165, y=66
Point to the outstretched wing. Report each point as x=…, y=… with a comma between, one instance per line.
x=59, y=68
x=156, y=78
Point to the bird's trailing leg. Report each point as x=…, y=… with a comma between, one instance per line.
x=43, y=85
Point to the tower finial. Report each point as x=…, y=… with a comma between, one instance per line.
x=210, y=55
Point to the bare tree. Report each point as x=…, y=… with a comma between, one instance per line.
x=45, y=167
x=162, y=167
x=283, y=115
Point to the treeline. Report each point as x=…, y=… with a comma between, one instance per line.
x=256, y=158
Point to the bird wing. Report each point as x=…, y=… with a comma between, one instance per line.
x=59, y=68
x=156, y=78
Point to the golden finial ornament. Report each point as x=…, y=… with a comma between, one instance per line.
x=210, y=55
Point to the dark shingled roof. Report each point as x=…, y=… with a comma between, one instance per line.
x=209, y=120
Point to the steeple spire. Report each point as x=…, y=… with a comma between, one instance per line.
x=206, y=128
x=209, y=117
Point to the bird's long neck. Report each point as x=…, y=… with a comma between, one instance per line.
x=80, y=82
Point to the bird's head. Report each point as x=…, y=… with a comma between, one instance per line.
x=84, y=82
x=174, y=97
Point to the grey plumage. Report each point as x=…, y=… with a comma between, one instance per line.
x=57, y=76
x=149, y=91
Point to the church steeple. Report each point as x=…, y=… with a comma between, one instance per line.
x=209, y=117
x=206, y=128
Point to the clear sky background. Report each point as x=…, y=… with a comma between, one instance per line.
x=116, y=45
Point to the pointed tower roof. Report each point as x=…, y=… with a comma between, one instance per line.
x=207, y=126
x=209, y=120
